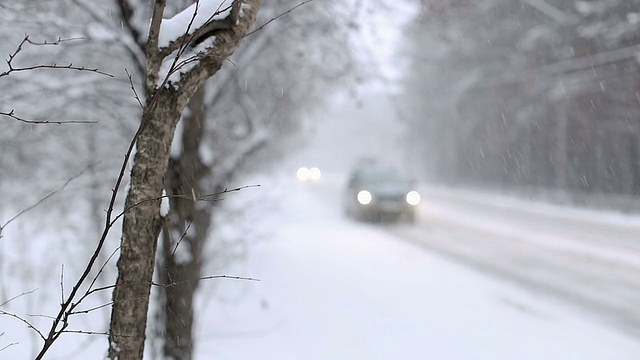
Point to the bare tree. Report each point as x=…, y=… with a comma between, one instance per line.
x=249, y=114
x=233, y=121
x=248, y=111
x=176, y=67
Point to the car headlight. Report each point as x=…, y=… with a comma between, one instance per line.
x=413, y=198
x=314, y=174
x=308, y=174
x=303, y=173
x=364, y=197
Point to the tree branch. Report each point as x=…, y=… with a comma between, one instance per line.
x=226, y=41
x=201, y=33
x=126, y=14
x=26, y=40
x=29, y=325
x=18, y=296
x=11, y=114
x=133, y=45
x=259, y=28
x=154, y=61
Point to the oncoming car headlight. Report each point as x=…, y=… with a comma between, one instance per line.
x=314, y=174
x=364, y=197
x=303, y=173
x=308, y=174
x=413, y=198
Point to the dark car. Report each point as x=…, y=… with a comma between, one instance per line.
x=379, y=194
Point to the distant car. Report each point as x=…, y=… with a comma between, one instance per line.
x=378, y=194
x=306, y=174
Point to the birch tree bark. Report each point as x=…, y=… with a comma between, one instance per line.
x=191, y=59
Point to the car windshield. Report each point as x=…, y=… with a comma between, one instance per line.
x=382, y=177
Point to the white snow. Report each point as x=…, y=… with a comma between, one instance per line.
x=529, y=230
x=164, y=204
x=332, y=288
x=207, y=10
x=188, y=21
x=335, y=289
x=172, y=68
x=99, y=32
x=176, y=143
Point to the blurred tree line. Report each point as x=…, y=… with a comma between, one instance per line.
x=527, y=93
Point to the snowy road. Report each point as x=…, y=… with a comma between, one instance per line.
x=332, y=288
x=476, y=278
x=590, y=259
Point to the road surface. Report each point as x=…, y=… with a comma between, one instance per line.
x=589, y=259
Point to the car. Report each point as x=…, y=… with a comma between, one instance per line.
x=380, y=194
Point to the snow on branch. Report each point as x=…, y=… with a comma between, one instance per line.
x=196, y=41
x=201, y=17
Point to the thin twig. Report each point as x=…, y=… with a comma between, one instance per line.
x=8, y=345
x=53, y=66
x=29, y=325
x=19, y=296
x=56, y=42
x=104, y=265
x=26, y=40
x=86, y=311
x=62, y=284
x=12, y=69
x=3, y=226
x=86, y=332
x=11, y=114
x=207, y=197
x=42, y=316
x=184, y=234
x=175, y=283
x=133, y=88
x=277, y=17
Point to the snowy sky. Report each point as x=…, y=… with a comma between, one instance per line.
x=382, y=38
x=366, y=124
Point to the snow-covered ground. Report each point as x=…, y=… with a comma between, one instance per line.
x=477, y=277
x=332, y=288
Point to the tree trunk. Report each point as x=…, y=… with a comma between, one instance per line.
x=141, y=227
x=142, y=220
x=184, y=236
x=561, y=161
